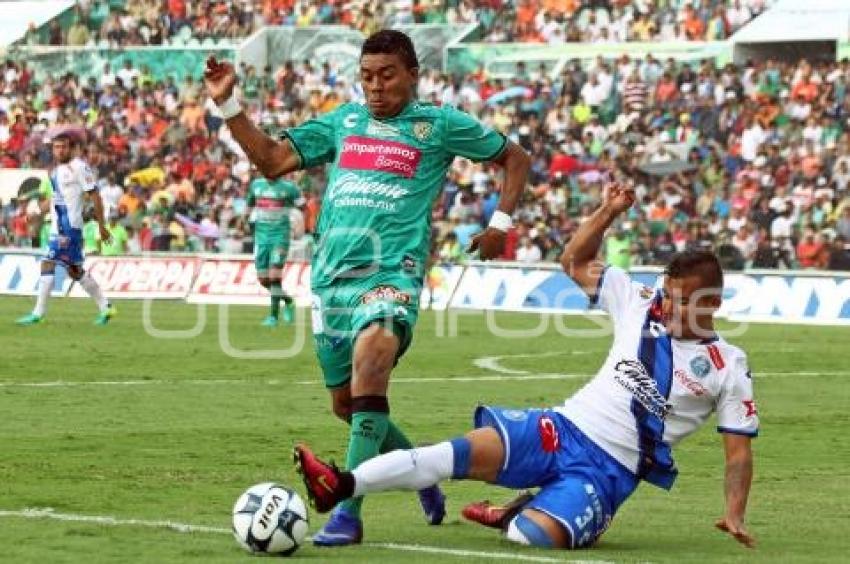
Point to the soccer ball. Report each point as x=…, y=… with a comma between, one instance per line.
x=270, y=519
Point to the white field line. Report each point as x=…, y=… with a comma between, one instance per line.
x=493, y=363
x=316, y=382
x=48, y=513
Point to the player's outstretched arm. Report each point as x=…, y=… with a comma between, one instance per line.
x=739, y=476
x=579, y=257
x=273, y=158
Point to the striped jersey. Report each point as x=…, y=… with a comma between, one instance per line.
x=654, y=390
x=69, y=182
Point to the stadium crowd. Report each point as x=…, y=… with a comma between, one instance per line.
x=180, y=22
x=753, y=161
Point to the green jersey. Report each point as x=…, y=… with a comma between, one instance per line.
x=91, y=236
x=272, y=200
x=384, y=178
x=116, y=245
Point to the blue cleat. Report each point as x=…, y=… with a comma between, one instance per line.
x=341, y=529
x=433, y=503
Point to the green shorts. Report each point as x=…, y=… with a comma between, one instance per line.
x=270, y=257
x=340, y=312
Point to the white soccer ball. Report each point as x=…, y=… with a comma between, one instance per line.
x=270, y=519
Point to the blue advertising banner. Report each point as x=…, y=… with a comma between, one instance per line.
x=780, y=297
x=20, y=271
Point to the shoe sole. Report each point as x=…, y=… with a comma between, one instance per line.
x=511, y=509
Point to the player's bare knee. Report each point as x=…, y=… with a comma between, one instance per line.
x=265, y=282
x=487, y=454
x=534, y=528
x=76, y=272
x=374, y=357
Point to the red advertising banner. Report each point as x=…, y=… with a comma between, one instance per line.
x=141, y=277
x=234, y=281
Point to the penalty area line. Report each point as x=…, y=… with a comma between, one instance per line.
x=105, y=520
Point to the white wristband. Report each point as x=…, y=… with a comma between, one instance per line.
x=501, y=221
x=230, y=108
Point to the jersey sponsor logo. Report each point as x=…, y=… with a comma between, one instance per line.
x=750, y=406
x=365, y=153
x=385, y=293
x=350, y=121
x=700, y=366
x=549, y=439
x=632, y=375
x=689, y=383
x=381, y=129
x=422, y=130
x=351, y=184
x=269, y=203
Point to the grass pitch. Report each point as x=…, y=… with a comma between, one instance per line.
x=120, y=423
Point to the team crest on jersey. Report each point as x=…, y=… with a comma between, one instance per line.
x=700, y=366
x=422, y=130
x=646, y=293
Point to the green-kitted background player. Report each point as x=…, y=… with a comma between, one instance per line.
x=389, y=159
x=270, y=202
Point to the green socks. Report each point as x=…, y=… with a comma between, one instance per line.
x=369, y=433
x=277, y=293
x=395, y=440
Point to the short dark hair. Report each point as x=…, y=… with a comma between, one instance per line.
x=704, y=264
x=65, y=136
x=391, y=42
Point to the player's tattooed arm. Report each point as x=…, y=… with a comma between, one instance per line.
x=738, y=478
x=273, y=158
x=579, y=257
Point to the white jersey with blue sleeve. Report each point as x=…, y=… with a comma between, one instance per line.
x=653, y=390
x=70, y=181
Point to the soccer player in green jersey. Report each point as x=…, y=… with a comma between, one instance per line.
x=389, y=159
x=270, y=202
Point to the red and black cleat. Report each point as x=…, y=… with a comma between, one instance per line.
x=495, y=516
x=320, y=478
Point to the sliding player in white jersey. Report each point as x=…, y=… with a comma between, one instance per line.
x=667, y=370
x=71, y=179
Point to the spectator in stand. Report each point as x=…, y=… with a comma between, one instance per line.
x=528, y=252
